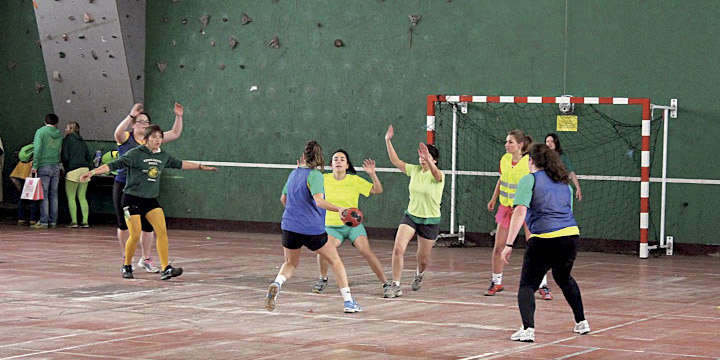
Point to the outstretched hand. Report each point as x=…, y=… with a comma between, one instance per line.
x=369, y=166
x=390, y=132
x=178, y=109
x=136, y=110
x=208, y=168
x=424, y=153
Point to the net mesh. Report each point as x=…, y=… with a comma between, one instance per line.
x=607, y=143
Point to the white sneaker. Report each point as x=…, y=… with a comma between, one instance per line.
x=524, y=335
x=582, y=327
x=148, y=265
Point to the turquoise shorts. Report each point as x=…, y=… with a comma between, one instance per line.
x=344, y=232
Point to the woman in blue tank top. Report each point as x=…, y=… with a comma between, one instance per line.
x=544, y=200
x=303, y=224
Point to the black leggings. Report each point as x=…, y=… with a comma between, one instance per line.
x=542, y=255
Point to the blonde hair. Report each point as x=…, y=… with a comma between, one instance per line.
x=74, y=127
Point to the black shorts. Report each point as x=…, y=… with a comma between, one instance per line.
x=119, y=204
x=429, y=232
x=294, y=241
x=140, y=206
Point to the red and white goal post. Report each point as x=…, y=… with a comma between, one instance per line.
x=433, y=100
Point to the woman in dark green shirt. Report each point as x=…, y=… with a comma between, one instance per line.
x=144, y=166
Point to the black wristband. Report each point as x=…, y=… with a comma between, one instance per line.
x=509, y=245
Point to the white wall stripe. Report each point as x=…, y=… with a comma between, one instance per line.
x=431, y=122
x=592, y=100
x=645, y=159
x=645, y=189
x=646, y=128
x=469, y=173
x=507, y=99
x=453, y=98
x=535, y=99
x=481, y=99
x=644, y=220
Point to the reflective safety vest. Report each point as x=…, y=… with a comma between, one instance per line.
x=510, y=176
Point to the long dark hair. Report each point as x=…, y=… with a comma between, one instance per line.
x=434, y=153
x=313, y=155
x=351, y=168
x=521, y=137
x=556, y=141
x=548, y=160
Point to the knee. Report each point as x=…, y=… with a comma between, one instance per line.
x=293, y=262
x=398, y=251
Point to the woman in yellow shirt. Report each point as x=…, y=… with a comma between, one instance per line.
x=344, y=190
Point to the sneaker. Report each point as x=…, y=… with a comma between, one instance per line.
x=320, y=285
x=148, y=265
x=85, y=226
x=73, y=226
x=54, y=225
x=40, y=226
x=524, y=335
x=494, y=288
x=352, y=307
x=392, y=291
x=170, y=272
x=127, y=272
x=32, y=223
x=582, y=327
x=22, y=222
x=545, y=293
x=271, y=296
x=417, y=283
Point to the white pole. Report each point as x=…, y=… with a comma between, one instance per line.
x=664, y=177
x=454, y=159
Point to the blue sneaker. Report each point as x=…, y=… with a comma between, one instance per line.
x=352, y=307
x=271, y=296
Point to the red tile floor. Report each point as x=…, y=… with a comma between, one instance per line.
x=62, y=297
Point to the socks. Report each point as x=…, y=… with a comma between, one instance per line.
x=544, y=281
x=497, y=278
x=418, y=273
x=346, y=294
x=396, y=283
x=280, y=279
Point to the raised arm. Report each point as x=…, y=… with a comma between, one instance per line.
x=391, y=150
x=425, y=155
x=176, y=130
x=369, y=166
x=127, y=121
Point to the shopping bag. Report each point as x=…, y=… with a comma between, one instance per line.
x=32, y=190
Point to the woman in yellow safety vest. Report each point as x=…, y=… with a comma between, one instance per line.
x=513, y=166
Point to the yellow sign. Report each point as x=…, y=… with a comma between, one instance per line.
x=567, y=122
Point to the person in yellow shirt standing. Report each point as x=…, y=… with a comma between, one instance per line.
x=422, y=215
x=344, y=190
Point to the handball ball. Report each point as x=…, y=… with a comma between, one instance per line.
x=352, y=217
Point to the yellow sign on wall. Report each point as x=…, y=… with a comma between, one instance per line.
x=567, y=122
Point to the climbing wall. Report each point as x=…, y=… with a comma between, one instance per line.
x=93, y=79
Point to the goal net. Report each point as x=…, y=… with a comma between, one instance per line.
x=610, y=151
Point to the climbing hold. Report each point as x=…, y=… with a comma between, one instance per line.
x=48, y=36
x=39, y=87
x=222, y=66
x=165, y=20
x=94, y=54
x=233, y=43
x=56, y=76
x=225, y=19
x=242, y=67
x=81, y=36
x=104, y=74
x=205, y=19
x=162, y=66
x=414, y=19
x=87, y=18
x=11, y=65
x=212, y=43
x=65, y=37
x=338, y=43
x=71, y=18
x=184, y=21
x=246, y=19
x=111, y=56
x=275, y=42
x=62, y=55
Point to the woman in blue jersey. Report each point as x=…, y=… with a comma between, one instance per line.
x=343, y=188
x=544, y=200
x=303, y=224
x=138, y=120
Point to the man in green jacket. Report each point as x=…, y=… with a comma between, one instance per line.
x=46, y=164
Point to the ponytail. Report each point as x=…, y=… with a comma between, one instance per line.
x=313, y=155
x=548, y=160
x=521, y=137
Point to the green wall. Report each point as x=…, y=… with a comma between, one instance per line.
x=346, y=97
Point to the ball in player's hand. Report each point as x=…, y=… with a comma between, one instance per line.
x=352, y=217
